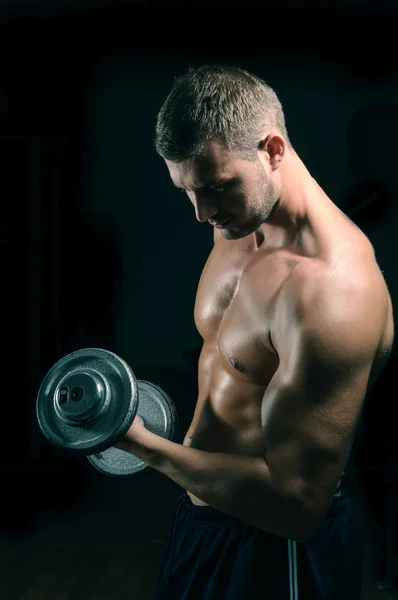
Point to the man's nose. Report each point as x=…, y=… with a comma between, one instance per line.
x=204, y=209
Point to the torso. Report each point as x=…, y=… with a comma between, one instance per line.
x=237, y=359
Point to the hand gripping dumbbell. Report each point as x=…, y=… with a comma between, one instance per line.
x=88, y=401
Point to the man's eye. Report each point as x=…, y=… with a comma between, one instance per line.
x=214, y=190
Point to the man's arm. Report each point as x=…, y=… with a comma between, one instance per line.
x=203, y=384
x=312, y=405
x=309, y=413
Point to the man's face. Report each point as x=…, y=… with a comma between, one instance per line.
x=233, y=194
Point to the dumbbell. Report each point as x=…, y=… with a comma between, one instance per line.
x=89, y=399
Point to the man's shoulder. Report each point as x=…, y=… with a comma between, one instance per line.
x=342, y=304
x=347, y=275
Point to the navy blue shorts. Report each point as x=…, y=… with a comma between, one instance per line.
x=211, y=556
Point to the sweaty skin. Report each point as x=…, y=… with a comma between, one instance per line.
x=242, y=305
x=297, y=324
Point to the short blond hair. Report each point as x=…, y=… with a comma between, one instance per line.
x=217, y=103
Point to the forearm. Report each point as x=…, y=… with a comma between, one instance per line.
x=240, y=486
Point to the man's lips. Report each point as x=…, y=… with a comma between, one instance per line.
x=221, y=224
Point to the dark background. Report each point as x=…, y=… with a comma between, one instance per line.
x=98, y=249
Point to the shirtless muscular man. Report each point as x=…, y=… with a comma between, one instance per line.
x=297, y=323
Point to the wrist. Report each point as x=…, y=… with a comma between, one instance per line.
x=142, y=444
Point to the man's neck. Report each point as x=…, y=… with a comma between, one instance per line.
x=290, y=214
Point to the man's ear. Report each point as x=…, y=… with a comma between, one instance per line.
x=273, y=148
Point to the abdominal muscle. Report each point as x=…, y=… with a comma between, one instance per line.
x=227, y=417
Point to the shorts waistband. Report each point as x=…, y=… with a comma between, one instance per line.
x=208, y=513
